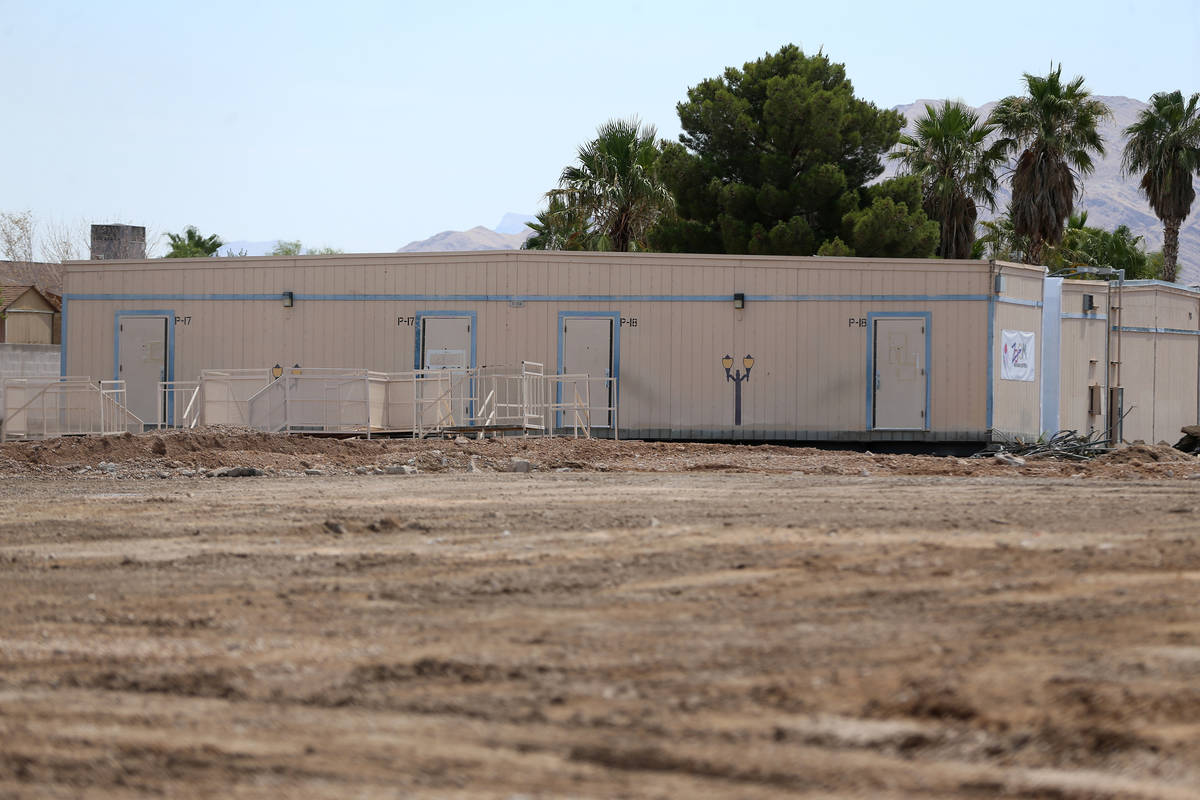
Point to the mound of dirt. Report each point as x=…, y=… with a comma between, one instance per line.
x=201, y=452
x=1146, y=454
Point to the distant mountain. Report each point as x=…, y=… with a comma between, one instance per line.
x=478, y=238
x=514, y=223
x=1110, y=198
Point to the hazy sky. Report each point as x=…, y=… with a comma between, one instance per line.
x=366, y=125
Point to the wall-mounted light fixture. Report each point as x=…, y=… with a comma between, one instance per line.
x=738, y=378
x=276, y=372
x=739, y=300
x=289, y=299
x=296, y=369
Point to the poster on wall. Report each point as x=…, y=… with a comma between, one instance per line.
x=1016, y=356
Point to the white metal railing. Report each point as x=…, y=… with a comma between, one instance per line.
x=583, y=402
x=511, y=399
x=421, y=402
x=224, y=394
x=333, y=400
x=178, y=404
x=39, y=408
x=429, y=401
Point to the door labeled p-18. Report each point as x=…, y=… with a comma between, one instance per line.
x=587, y=349
x=900, y=393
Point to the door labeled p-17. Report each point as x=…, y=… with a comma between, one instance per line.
x=587, y=349
x=900, y=394
x=142, y=363
x=446, y=345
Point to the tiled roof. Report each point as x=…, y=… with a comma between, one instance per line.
x=47, y=277
x=11, y=292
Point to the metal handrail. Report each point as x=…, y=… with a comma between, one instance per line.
x=66, y=405
x=422, y=402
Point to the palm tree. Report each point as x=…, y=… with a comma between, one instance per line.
x=1164, y=145
x=562, y=226
x=1054, y=130
x=949, y=152
x=191, y=244
x=615, y=185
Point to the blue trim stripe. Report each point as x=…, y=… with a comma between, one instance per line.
x=1136, y=329
x=856, y=298
x=1101, y=317
x=535, y=298
x=872, y=316
x=1013, y=301
x=174, y=297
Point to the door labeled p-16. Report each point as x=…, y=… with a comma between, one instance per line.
x=900, y=394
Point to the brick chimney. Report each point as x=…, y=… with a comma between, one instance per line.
x=110, y=242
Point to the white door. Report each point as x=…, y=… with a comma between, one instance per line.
x=446, y=345
x=587, y=347
x=142, y=363
x=900, y=397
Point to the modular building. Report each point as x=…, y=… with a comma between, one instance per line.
x=698, y=346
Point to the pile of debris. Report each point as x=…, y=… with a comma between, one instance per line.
x=1062, y=446
x=1190, y=443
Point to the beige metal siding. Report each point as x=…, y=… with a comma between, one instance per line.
x=1016, y=405
x=1159, y=346
x=676, y=320
x=28, y=327
x=29, y=319
x=1083, y=357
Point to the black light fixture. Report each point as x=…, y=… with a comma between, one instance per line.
x=289, y=299
x=739, y=300
x=296, y=369
x=276, y=371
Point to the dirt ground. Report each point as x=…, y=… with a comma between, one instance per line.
x=624, y=620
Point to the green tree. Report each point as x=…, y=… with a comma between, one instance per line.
x=1164, y=146
x=1084, y=245
x=614, y=185
x=891, y=225
x=949, y=152
x=190, y=244
x=295, y=248
x=772, y=157
x=1000, y=241
x=562, y=225
x=1054, y=131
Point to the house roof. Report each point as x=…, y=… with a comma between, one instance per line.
x=46, y=276
x=12, y=292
